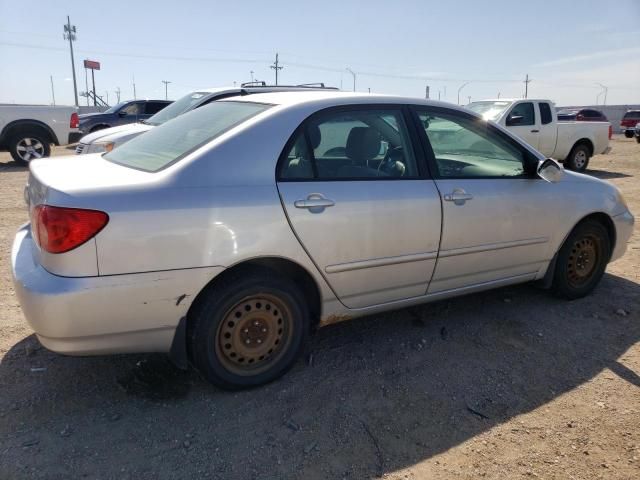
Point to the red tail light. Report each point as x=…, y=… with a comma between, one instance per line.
x=610, y=131
x=75, y=121
x=60, y=229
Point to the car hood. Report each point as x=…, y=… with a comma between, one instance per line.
x=115, y=133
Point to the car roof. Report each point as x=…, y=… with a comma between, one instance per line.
x=334, y=98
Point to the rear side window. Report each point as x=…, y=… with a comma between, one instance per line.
x=152, y=108
x=545, y=113
x=355, y=145
x=632, y=115
x=170, y=142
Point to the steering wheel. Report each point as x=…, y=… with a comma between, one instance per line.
x=388, y=162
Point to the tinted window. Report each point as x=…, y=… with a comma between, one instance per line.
x=132, y=109
x=170, y=142
x=364, y=144
x=521, y=115
x=178, y=107
x=467, y=148
x=545, y=113
x=152, y=108
x=631, y=115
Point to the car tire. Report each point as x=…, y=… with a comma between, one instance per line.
x=628, y=134
x=638, y=139
x=582, y=260
x=27, y=146
x=578, y=159
x=248, y=330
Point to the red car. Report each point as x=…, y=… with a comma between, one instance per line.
x=581, y=115
x=629, y=121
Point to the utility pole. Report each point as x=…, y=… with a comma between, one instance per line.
x=426, y=92
x=53, y=94
x=605, y=89
x=469, y=97
x=107, y=95
x=251, y=72
x=276, y=66
x=460, y=89
x=118, y=94
x=526, y=85
x=70, y=34
x=166, y=82
x=134, y=86
x=354, y=77
x=498, y=95
x=86, y=85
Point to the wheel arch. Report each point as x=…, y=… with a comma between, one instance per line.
x=586, y=142
x=280, y=266
x=25, y=124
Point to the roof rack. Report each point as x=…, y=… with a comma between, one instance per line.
x=257, y=83
x=262, y=83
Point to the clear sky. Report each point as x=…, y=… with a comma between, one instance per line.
x=393, y=46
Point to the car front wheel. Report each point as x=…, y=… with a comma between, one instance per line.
x=582, y=260
x=248, y=330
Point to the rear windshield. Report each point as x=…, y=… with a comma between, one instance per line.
x=178, y=107
x=168, y=143
x=629, y=115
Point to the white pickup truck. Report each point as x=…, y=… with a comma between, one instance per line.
x=28, y=131
x=535, y=121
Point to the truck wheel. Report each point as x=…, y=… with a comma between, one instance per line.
x=638, y=139
x=578, y=159
x=248, y=330
x=28, y=146
x=628, y=134
x=582, y=260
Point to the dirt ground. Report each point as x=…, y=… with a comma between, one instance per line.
x=505, y=384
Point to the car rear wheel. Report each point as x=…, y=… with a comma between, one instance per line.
x=578, y=158
x=638, y=139
x=582, y=260
x=28, y=146
x=628, y=134
x=249, y=330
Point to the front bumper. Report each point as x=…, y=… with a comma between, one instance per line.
x=624, y=229
x=103, y=315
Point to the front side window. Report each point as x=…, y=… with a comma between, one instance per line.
x=361, y=144
x=521, y=115
x=467, y=148
x=545, y=113
x=132, y=109
x=168, y=143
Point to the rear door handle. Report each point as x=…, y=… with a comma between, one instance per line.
x=458, y=196
x=314, y=201
x=535, y=131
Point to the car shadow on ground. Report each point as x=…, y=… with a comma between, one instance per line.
x=12, y=166
x=371, y=396
x=605, y=175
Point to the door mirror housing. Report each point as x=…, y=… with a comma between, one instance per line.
x=514, y=120
x=550, y=171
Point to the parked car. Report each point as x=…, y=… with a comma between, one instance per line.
x=637, y=132
x=535, y=122
x=227, y=234
x=629, y=121
x=28, y=131
x=110, y=138
x=581, y=115
x=123, y=113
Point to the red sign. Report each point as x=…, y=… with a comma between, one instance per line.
x=92, y=64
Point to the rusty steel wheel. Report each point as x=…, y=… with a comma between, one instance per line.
x=583, y=260
x=253, y=334
x=248, y=329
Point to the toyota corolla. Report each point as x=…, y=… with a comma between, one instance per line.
x=225, y=236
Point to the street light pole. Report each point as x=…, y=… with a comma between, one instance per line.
x=460, y=89
x=70, y=34
x=354, y=77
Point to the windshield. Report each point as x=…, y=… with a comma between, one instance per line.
x=489, y=110
x=178, y=107
x=168, y=143
x=115, y=108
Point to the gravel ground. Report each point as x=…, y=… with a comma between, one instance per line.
x=505, y=384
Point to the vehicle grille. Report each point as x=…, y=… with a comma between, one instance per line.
x=80, y=148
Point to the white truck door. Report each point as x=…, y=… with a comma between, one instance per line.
x=548, y=135
x=521, y=120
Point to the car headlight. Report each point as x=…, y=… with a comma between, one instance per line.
x=100, y=147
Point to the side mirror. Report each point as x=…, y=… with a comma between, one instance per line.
x=514, y=120
x=122, y=113
x=550, y=171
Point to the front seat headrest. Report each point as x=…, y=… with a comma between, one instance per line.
x=363, y=144
x=313, y=131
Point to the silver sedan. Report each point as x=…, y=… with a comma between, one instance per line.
x=226, y=235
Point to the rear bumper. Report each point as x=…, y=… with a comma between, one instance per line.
x=103, y=315
x=624, y=229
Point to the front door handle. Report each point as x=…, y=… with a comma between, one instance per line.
x=314, y=201
x=458, y=196
x=535, y=131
